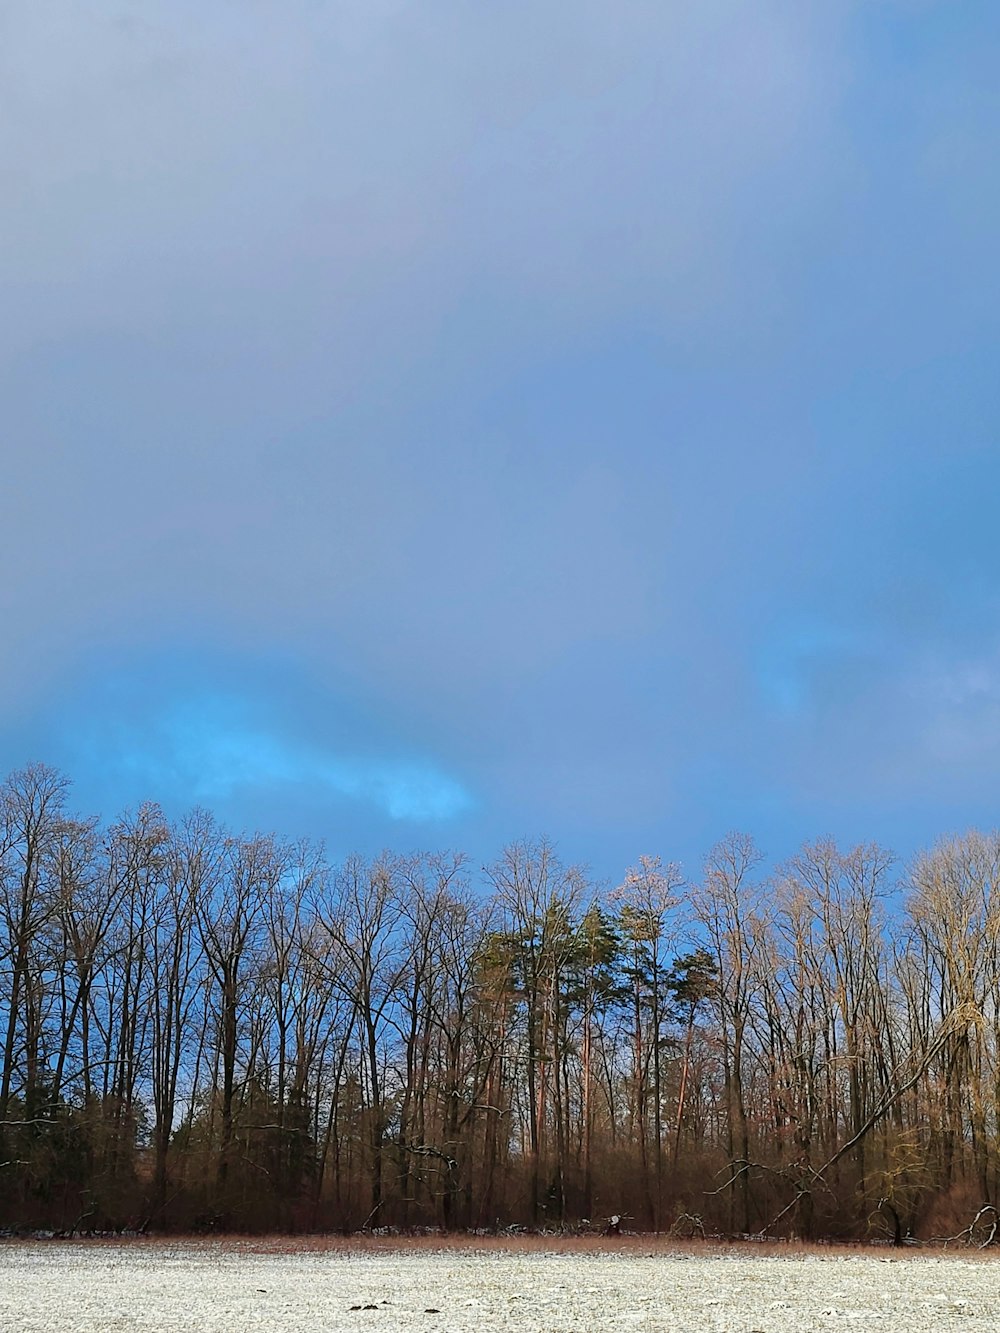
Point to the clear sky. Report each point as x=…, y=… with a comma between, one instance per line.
x=430, y=424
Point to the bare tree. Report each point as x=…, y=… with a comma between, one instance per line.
x=363, y=924
x=229, y=920
x=727, y=905
x=31, y=810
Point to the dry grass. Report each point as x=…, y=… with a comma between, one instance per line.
x=635, y=1246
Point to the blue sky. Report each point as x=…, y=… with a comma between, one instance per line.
x=428, y=425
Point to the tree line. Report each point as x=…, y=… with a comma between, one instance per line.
x=209, y=1031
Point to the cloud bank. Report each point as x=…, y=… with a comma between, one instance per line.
x=596, y=402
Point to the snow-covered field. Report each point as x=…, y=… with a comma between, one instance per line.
x=232, y=1286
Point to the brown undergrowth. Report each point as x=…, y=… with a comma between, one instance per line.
x=630, y=1245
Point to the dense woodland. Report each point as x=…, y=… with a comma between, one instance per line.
x=209, y=1031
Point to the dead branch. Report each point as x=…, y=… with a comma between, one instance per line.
x=968, y=1234
x=686, y=1225
x=888, y=1208
x=944, y=1032
x=285, y=1129
x=806, y=1177
x=36, y=1120
x=425, y=1150
x=743, y=1165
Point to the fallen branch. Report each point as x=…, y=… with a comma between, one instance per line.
x=944, y=1032
x=816, y=1175
x=686, y=1225
x=886, y=1206
x=968, y=1234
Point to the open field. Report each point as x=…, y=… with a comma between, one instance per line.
x=226, y=1286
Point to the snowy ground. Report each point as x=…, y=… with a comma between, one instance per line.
x=231, y=1286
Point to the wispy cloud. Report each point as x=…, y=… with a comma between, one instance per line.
x=173, y=733
x=202, y=745
x=958, y=702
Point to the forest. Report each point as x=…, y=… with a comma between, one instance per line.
x=209, y=1031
